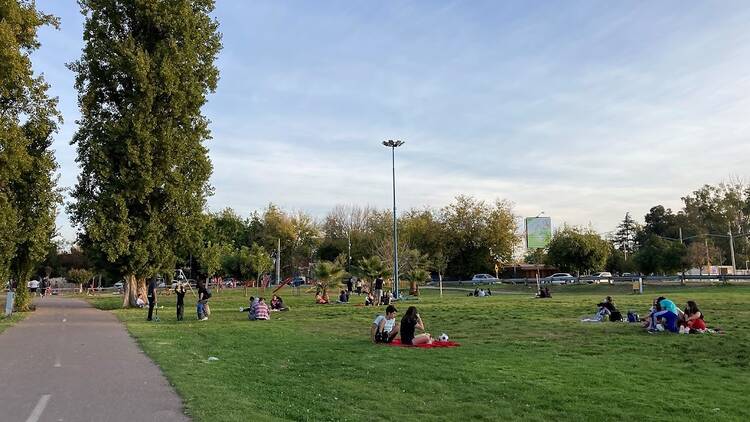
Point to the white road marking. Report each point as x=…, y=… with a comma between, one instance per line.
x=38, y=409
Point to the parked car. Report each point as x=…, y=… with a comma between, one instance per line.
x=483, y=278
x=119, y=285
x=603, y=276
x=298, y=281
x=559, y=278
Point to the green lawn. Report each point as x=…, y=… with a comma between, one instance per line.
x=521, y=358
x=7, y=322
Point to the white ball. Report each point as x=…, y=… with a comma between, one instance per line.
x=443, y=337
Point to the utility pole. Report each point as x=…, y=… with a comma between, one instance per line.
x=708, y=258
x=683, y=269
x=731, y=249
x=278, y=261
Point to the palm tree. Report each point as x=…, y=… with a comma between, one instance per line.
x=371, y=268
x=329, y=275
x=416, y=277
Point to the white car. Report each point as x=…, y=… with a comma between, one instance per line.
x=559, y=278
x=483, y=278
x=600, y=277
x=119, y=285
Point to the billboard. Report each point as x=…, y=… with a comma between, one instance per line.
x=538, y=232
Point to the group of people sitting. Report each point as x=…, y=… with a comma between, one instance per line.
x=259, y=309
x=663, y=315
x=480, y=293
x=543, y=293
x=386, y=299
x=384, y=328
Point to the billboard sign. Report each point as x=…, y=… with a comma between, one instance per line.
x=538, y=232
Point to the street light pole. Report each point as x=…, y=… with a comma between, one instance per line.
x=393, y=145
x=731, y=248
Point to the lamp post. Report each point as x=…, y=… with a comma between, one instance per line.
x=393, y=145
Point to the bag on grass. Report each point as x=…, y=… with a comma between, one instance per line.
x=633, y=317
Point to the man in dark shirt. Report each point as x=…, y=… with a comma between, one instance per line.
x=378, y=290
x=151, y=295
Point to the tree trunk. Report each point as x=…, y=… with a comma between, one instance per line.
x=133, y=287
x=22, y=301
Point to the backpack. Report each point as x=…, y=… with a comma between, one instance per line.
x=633, y=317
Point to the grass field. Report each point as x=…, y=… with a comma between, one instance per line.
x=520, y=359
x=7, y=322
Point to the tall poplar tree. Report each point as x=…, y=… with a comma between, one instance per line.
x=146, y=69
x=28, y=118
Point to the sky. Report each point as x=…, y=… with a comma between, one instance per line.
x=585, y=110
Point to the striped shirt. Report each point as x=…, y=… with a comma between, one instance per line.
x=261, y=312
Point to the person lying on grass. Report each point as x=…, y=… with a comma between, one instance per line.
x=692, y=318
x=667, y=310
x=384, y=328
x=277, y=304
x=409, y=323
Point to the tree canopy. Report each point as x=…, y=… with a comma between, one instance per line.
x=28, y=119
x=142, y=79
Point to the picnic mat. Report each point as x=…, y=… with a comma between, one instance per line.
x=434, y=344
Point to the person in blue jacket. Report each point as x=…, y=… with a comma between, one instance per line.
x=666, y=309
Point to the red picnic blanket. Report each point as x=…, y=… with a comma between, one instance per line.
x=434, y=344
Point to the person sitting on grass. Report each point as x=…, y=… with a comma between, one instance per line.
x=277, y=304
x=482, y=293
x=253, y=304
x=604, y=309
x=489, y=292
x=386, y=299
x=369, y=300
x=261, y=310
x=140, y=301
x=384, y=328
x=543, y=293
x=409, y=324
x=343, y=297
x=667, y=310
x=321, y=298
x=609, y=304
x=693, y=318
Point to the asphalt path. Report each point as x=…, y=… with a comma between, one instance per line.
x=70, y=362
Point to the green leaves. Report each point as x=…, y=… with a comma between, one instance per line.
x=143, y=77
x=577, y=250
x=28, y=118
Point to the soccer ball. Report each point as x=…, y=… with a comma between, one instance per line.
x=443, y=337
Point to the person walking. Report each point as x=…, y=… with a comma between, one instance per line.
x=151, y=295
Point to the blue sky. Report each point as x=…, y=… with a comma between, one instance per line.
x=583, y=109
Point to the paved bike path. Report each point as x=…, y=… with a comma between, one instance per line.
x=70, y=362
